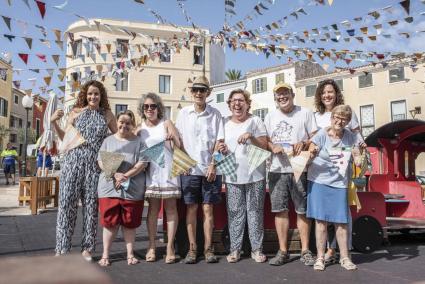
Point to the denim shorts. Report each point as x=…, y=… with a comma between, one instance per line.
x=282, y=187
x=196, y=189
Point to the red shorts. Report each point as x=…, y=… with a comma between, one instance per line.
x=117, y=211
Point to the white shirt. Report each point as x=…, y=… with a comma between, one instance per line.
x=199, y=132
x=288, y=129
x=324, y=120
x=233, y=131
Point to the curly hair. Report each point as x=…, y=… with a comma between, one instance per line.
x=246, y=95
x=157, y=100
x=339, y=99
x=82, y=96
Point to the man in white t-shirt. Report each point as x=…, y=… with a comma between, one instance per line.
x=289, y=129
x=201, y=128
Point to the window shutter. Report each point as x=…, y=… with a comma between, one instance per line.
x=253, y=87
x=5, y=108
x=264, y=84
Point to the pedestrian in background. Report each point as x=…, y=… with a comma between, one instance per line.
x=9, y=156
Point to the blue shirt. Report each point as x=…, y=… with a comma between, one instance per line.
x=325, y=168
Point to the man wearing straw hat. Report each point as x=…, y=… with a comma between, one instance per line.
x=201, y=128
x=289, y=130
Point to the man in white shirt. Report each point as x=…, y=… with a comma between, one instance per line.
x=289, y=129
x=201, y=128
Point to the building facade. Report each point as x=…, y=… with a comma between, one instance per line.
x=40, y=105
x=377, y=94
x=5, y=101
x=134, y=58
x=18, y=118
x=220, y=93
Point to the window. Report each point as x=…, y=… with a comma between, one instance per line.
x=12, y=121
x=220, y=98
x=20, y=122
x=76, y=47
x=259, y=85
x=122, y=47
x=261, y=113
x=167, y=113
x=280, y=78
x=75, y=78
x=165, y=54
x=121, y=81
x=89, y=45
x=340, y=84
x=13, y=138
x=365, y=80
x=198, y=55
x=164, y=84
x=310, y=90
x=367, y=119
x=37, y=127
x=120, y=108
x=3, y=74
x=398, y=110
x=396, y=75
x=3, y=107
x=16, y=99
x=29, y=124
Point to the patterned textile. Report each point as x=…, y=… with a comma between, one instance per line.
x=181, y=163
x=256, y=156
x=111, y=162
x=298, y=164
x=340, y=157
x=155, y=154
x=71, y=140
x=227, y=166
x=78, y=181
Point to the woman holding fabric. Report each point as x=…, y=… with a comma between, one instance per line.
x=328, y=174
x=159, y=186
x=328, y=95
x=121, y=198
x=245, y=195
x=91, y=117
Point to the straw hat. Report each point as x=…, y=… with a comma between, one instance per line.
x=282, y=85
x=201, y=82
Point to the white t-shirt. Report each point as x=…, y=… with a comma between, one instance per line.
x=288, y=129
x=233, y=131
x=199, y=132
x=324, y=120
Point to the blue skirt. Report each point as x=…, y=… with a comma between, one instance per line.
x=327, y=203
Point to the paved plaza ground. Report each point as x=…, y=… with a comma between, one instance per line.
x=23, y=235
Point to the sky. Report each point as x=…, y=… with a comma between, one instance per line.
x=210, y=14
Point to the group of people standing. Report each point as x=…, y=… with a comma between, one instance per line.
x=202, y=133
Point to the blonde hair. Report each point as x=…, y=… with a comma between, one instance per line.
x=246, y=95
x=343, y=110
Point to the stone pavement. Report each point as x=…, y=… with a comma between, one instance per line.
x=9, y=205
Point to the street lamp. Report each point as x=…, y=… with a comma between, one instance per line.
x=27, y=103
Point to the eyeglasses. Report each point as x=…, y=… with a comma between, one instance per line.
x=341, y=119
x=201, y=90
x=237, y=101
x=150, y=106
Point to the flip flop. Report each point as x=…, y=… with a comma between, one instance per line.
x=104, y=261
x=132, y=260
x=150, y=256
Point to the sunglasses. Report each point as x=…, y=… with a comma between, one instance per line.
x=150, y=106
x=201, y=90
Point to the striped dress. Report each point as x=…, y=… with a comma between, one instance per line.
x=158, y=181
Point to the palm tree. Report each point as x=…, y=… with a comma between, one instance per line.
x=233, y=74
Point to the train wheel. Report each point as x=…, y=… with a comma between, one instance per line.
x=181, y=242
x=246, y=245
x=367, y=234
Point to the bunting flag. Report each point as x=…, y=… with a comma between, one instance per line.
x=155, y=154
x=55, y=58
x=71, y=140
x=111, y=161
x=330, y=2
x=406, y=6
x=26, y=3
x=28, y=40
x=42, y=57
x=24, y=57
x=17, y=84
x=182, y=163
x=227, y=166
x=299, y=163
x=256, y=157
x=61, y=6
x=41, y=7
x=47, y=80
x=7, y=22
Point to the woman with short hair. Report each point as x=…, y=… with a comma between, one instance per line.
x=245, y=195
x=155, y=129
x=327, y=197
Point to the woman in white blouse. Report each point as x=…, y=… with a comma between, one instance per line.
x=245, y=195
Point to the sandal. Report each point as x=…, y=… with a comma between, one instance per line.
x=87, y=255
x=170, y=259
x=319, y=264
x=104, y=261
x=132, y=260
x=330, y=259
x=258, y=256
x=150, y=256
x=233, y=257
x=347, y=264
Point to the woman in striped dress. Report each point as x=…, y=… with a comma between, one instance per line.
x=159, y=186
x=92, y=117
